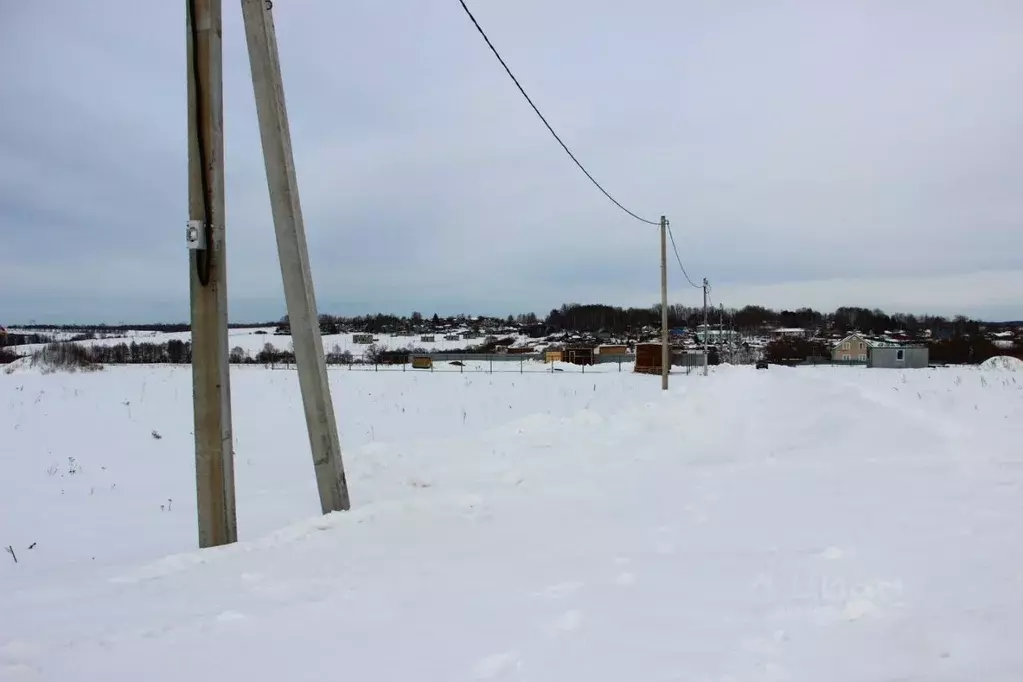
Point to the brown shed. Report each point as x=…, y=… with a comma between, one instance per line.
x=613, y=349
x=648, y=358
x=579, y=355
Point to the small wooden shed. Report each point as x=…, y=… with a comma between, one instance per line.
x=648, y=358
x=579, y=355
x=613, y=349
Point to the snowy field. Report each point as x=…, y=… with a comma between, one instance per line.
x=792, y=524
x=253, y=339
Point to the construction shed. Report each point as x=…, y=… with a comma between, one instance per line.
x=648, y=358
x=613, y=349
x=392, y=357
x=579, y=355
x=898, y=357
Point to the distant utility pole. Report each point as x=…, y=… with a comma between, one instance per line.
x=293, y=254
x=720, y=339
x=706, y=328
x=665, y=355
x=211, y=380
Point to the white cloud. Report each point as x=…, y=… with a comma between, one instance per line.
x=807, y=153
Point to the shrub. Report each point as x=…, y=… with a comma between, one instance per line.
x=68, y=357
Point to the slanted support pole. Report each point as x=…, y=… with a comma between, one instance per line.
x=294, y=255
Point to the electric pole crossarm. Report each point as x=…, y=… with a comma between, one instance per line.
x=293, y=251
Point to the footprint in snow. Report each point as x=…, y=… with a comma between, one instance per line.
x=832, y=554
x=230, y=617
x=496, y=666
x=625, y=579
x=569, y=621
x=18, y=671
x=560, y=590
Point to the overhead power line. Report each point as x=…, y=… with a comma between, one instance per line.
x=679, y=259
x=551, y=129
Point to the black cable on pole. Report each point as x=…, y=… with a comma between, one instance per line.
x=556, y=137
x=203, y=257
x=679, y=259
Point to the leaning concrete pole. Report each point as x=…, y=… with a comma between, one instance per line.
x=294, y=255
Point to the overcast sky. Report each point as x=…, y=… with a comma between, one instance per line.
x=806, y=153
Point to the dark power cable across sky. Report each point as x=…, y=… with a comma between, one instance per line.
x=542, y=118
x=565, y=146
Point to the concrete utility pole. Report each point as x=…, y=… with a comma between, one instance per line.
x=294, y=255
x=706, y=328
x=207, y=263
x=720, y=340
x=665, y=351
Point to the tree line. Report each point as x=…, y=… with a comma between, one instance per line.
x=180, y=352
x=590, y=318
x=751, y=319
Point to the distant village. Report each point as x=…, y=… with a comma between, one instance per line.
x=907, y=344
x=578, y=334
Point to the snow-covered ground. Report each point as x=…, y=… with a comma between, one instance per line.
x=789, y=524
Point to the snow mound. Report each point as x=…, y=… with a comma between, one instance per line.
x=1003, y=363
x=19, y=365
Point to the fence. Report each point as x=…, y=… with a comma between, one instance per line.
x=531, y=363
x=464, y=363
x=179, y=352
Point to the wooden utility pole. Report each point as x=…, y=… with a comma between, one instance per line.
x=211, y=380
x=665, y=351
x=706, y=328
x=294, y=255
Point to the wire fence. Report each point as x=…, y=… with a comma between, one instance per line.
x=464, y=363
x=570, y=361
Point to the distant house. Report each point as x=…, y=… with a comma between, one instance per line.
x=853, y=348
x=1003, y=340
x=856, y=348
x=789, y=331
